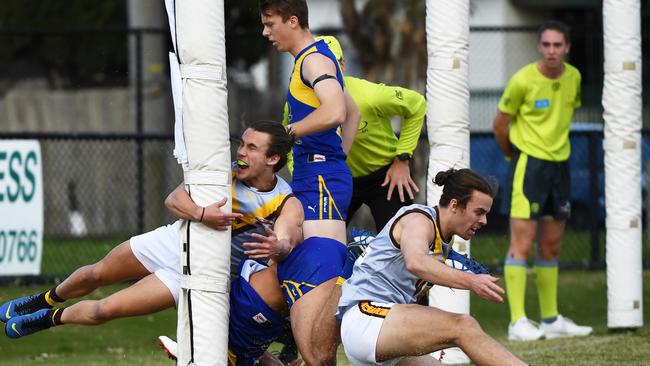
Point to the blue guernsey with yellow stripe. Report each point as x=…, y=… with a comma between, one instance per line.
x=253, y=324
x=320, y=152
x=251, y=202
x=380, y=274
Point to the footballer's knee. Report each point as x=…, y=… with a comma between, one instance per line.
x=549, y=252
x=103, y=311
x=97, y=274
x=466, y=327
x=520, y=252
x=90, y=274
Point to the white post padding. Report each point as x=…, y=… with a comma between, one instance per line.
x=622, y=145
x=198, y=71
x=447, y=90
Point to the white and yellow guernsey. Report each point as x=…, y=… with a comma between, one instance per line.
x=251, y=202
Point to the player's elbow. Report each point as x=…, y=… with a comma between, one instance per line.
x=336, y=112
x=170, y=201
x=413, y=265
x=337, y=117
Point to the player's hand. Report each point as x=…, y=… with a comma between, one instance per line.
x=215, y=218
x=485, y=286
x=399, y=175
x=268, y=246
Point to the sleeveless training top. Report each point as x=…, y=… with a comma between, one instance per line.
x=251, y=202
x=320, y=152
x=380, y=275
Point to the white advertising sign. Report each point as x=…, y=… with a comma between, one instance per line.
x=21, y=207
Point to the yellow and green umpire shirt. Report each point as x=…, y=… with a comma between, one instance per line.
x=375, y=145
x=543, y=110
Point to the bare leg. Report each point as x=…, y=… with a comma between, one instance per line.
x=413, y=330
x=147, y=296
x=307, y=317
x=314, y=327
x=326, y=334
x=522, y=236
x=333, y=229
x=425, y=360
x=550, y=238
x=117, y=266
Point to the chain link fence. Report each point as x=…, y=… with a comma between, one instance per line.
x=105, y=134
x=100, y=190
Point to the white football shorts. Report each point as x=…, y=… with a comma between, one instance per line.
x=360, y=330
x=159, y=253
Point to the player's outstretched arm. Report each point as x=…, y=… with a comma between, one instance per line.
x=183, y=207
x=414, y=232
x=282, y=238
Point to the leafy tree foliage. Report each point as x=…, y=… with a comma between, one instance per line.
x=67, y=60
x=389, y=36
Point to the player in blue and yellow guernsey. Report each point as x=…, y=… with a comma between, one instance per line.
x=324, y=120
x=381, y=324
x=379, y=160
x=538, y=105
x=266, y=223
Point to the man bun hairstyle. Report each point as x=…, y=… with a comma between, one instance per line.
x=280, y=141
x=459, y=184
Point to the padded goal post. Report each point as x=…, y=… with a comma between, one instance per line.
x=198, y=71
x=447, y=91
x=622, y=107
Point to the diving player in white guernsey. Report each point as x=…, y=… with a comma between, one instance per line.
x=266, y=223
x=381, y=323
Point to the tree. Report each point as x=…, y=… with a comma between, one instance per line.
x=389, y=36
x=66, y=60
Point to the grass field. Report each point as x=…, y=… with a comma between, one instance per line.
x=133, y=341
x=62, y=256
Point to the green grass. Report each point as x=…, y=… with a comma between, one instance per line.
x=121, y=342
x=62, y=256
x=133, y=341
x=582, y=297
x=491, y=249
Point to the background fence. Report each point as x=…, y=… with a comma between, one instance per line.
x=101, y=110
x=102, y=189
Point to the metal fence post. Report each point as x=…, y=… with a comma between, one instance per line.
x=139, y=131
x=594, y=194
